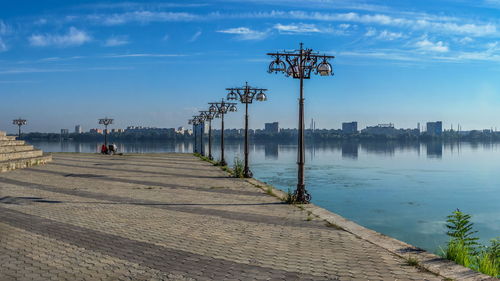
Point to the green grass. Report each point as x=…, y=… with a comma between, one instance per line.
x=290, y=197
x=238, y=168
x=464, y=249
x=412, y=261
x=270, y=191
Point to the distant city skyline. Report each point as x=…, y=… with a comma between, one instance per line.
x=64, y=63
x=271, y=126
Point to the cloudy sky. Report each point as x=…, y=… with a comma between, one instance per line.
x=158, y=63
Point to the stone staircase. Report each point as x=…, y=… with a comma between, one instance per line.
x=15, y=154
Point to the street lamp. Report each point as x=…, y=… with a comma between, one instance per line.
x=105, y=121
x=201, y=121
x=220, y=109
x=246, y=95
x=194, y=122
x=19, y=122
x=299, y=64
x=209, y=116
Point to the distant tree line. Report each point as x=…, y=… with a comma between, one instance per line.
x=285, y=135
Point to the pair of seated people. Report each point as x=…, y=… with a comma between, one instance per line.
x=110, y=149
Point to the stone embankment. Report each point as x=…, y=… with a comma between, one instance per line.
x=174, y=217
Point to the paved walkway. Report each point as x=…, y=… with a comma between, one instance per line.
x=169, y=217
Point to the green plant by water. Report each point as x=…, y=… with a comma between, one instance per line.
x=464, y=249
x=238, y=168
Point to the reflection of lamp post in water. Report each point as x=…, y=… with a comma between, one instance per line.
x=106, y=121
x=246, y=95
x=19, y=122
x=299, y=64
x=220, y=109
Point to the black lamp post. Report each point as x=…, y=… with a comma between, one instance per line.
x=209, y=116
x=194, y=122
x=19, y=122
x=201, y=124
x=246, y=95
x=106, y=121
x=299, y=64
x=220, y=109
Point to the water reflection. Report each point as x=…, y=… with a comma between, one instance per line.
x=271, y=151
x=434, y=149
x=350, y=150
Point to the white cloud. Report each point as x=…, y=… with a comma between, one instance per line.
x=426, y=45
x=296, y=28
x=4, y=28
x=114, y=41
x=144, y=55
x=384, y=34
x=412, y=21
x=385, y=54
x=141, y=17
x=371, y=32
x=195, y=36
x=74, y=37
x=3, y=46
x=388, y=35
x=166, y=37
x=245, y=33
x=465, y=40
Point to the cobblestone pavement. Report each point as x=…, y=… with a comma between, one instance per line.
x=169, y=217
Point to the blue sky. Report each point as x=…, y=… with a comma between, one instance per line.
x=64, y=63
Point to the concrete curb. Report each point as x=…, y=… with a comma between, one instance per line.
x=428, y=261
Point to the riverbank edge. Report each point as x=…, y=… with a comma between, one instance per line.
x=426, y=260
x=435, y=264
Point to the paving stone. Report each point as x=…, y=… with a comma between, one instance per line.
x=168, y=217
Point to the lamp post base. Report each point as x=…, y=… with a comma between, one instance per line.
x=210, y=157
x=247, y=173
x=222, y=162
x=301, y=195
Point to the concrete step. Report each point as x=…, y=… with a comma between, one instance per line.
x=7, y=138
x=15, y=148
x=11, y=142
x=20, y=155
x=24, y=163
x=3, y=134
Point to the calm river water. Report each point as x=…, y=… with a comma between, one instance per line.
x=401, y=190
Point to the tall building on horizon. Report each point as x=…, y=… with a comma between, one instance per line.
x=435, y=128
x=78, y=129
x=272, y=127
x=350, y=127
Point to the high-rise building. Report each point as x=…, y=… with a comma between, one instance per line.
x=350, y=127
x=64, y=132
x=272, y=127
x=78, y=129
x=435, y=128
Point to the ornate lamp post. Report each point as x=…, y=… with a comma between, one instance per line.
x=220, y=109
x=201, y=123
x=299, y=64
x=209, y=116
x=105, y=121
x=194, y=122
x=246, y=95
x=19, y=122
